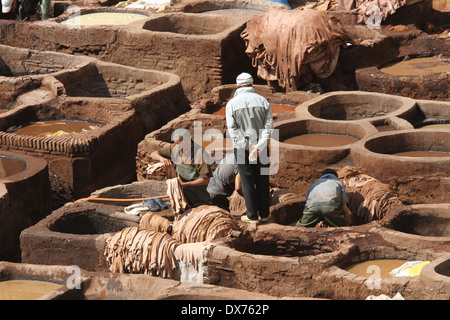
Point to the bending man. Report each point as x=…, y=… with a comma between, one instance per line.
x=326, y=201
x=224, y=181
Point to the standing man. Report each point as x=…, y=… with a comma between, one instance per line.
x=249, y=122
x=326, y=201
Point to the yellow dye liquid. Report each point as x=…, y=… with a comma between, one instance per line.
x=370, y=267
x=418, y=66
x=104, y=18
x=25, y=289
x=53, y=128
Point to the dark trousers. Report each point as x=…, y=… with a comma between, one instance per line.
x=221, y=201
x=27, y=8
x=331, y=214
x=255, y=184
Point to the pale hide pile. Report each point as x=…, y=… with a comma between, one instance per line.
x=204, y=223
x=152, y=250
x=135, y=250
x=374, y=11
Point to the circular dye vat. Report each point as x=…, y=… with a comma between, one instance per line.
x=418, y=66
x=10, y=166
x=401, y=152
x=321, y=140
x=53, y=128
x=417, y=77
x=104, y=18
x=432, y=220
x=314, y=141
x=25, y=289
x=190, y=24
x=354, y=105
x=381, y=267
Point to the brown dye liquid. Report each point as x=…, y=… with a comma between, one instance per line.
x=445, y=126
x=3, y=111
x=11, y=166
x=25, y=289
x=321, y=140
x=55, y=128
x=422, y=154
x=281, y=107
x=418, y=66
x=385, y=267
x=274, y=107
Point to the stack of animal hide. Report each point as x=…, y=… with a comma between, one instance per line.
x=150, y=249
x=192, y=253
x=288, y=45
x=278, y=195
x=368, y=10
x=154, y=168
x=177, y=200
x=154, y=222
x=204, y=223
x=369, y=199
x=135, y=250
x=237, y=203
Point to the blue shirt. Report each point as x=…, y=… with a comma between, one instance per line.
x=327, y=190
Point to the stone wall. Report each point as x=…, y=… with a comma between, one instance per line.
x=129, y=102
x=210, y=57
x=24, y=200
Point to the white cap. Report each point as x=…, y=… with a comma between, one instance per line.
x=6, y=5
x=244, y=79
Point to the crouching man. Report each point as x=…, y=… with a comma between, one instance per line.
x=326, y=201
